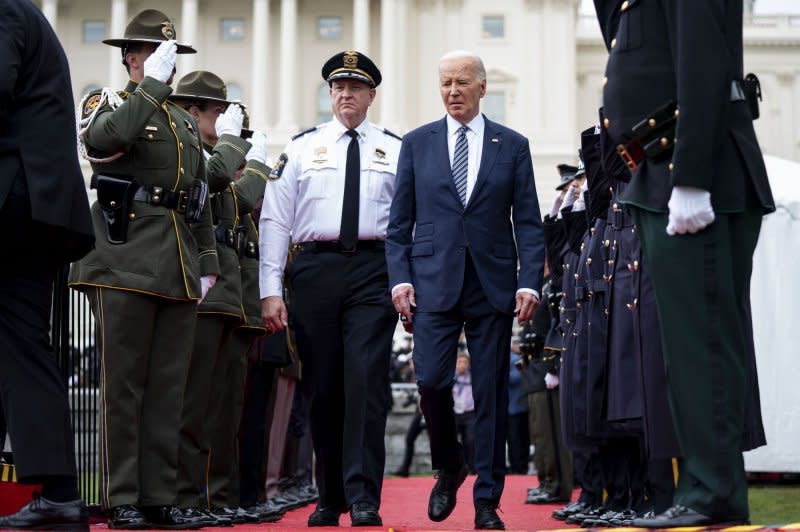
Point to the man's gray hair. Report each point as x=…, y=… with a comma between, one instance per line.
x=461, y=54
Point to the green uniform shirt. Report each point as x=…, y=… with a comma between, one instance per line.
x=159, y=145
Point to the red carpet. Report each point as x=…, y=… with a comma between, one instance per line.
x=405, y=507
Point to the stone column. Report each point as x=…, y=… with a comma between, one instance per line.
x=388, y=65
x=257, y=103
x=287, y=92
x=187, y=33
x=50, y=12
x=117, y=76
x=361, y=26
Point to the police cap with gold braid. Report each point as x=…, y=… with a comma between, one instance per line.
x=351, y=65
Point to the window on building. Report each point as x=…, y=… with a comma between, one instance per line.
x=94, y=31
x=494, y=26
x=234, y=92
x=494, y=106
x=329, y=28
x=324, y=112
x=232, y=29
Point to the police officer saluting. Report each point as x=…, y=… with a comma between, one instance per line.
x=331, y=196
x=155, y=258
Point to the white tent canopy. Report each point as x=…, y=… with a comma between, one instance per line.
x=774, y=292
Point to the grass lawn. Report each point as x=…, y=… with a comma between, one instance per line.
x=774, y=505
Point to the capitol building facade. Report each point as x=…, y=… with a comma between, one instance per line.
x=544, y=60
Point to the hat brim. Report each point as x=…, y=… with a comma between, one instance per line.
x=351, y=74
x=119, y=43
x=197, y=97
x=565, y=184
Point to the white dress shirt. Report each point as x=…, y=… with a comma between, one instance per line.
x=305, y=203
x=474, y=143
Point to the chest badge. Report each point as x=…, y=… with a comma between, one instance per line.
x=380, y=156
x=320, y=154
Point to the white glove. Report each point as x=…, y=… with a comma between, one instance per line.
x=690, y=210
x=258, y=148
x=551, y=381
x=572, y=195
x=230, y=121
x=206, y=283
x=557, y=204
x=161, y=63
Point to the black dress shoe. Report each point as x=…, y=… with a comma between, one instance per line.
x=228, y=513
x=266, y=511
x=365, y=514
x=569, y=510
x=545, y=498
x=443, y=495
x=623, y=518
x=486, y=517
x=43, y=513
x=171, y=518
x=678, y=516
x=204, y=518
x=603, y=519
x=579, y=517
x=249, y=517
x=127, y=517
x=325, y=516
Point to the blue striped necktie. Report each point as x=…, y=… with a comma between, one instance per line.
x=460, y=163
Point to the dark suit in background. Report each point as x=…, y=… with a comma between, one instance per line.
x=691, y=53
x=44, y=223
x=462, y=263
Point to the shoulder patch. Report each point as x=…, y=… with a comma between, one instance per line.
x=280, y=164
x=309, y=130
x=91, y=104
x=386, y=131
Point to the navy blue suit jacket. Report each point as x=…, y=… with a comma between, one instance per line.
x=430, y=231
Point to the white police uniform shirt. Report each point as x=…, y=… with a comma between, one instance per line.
x=305, y=203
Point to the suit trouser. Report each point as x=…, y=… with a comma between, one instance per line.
x=344, y=325
x=145, y=343
x=554, y=462
x=701, y=282
x=32, y=390
x=213, y=331
x=224, y=414
x=488, y=335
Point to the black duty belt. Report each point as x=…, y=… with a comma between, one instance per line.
x=229, y=237
x=163, y=197
x=334, y=246
x=654, y=137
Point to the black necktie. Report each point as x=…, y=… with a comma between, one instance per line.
x=348, y=234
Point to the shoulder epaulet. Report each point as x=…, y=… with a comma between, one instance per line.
x=309, y=130
x=392, y=134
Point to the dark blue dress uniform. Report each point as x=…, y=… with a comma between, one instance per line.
x=689, y=54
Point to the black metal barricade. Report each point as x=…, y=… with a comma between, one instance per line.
x=73, y=336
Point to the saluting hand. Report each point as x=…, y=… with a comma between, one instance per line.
x=273, y=314
x=230, y=122
x=258, y=148
x=161, y=63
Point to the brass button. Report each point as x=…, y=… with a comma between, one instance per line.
x=149, y=135
x=605, y=80
x=607, y=243
x=671, y=167
x=606, y=123
x=156, y=199
x=180, y=144
x=132, y=216
x=173, y=124
x=613, y=42
x=112, y=203
x=624, y=5
x=589, y=261
x=664, y=142
x=651, y=122
x=182, y=170
x=677, y=113
x=577, y=276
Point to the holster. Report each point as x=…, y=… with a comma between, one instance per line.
x=115, y=196
x=196, y=201
x=752, y=93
